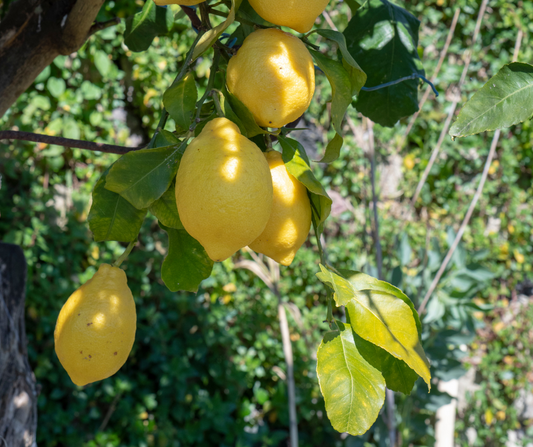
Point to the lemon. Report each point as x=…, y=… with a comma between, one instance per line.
x=95, y=329
x=274, y=76
x=300, y=15
x=290, y=221
x=178, y=2
x=223, y=189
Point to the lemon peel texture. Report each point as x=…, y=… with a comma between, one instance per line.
x=223, y=189
x=96, y=327
x=290, y=220
x=273, y=74
x=300, y=15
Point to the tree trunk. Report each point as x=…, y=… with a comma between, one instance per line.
x=33, y=33
x=18, y=395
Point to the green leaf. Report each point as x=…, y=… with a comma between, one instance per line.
x=163, y=138
x=298, y=165
x=102, y=62
x=353, y=390
x=211, y=36
x=357, y=75
x=166, y=210
x=353, y=4
x=398, y=376
x=113, y=218
x=141, y=29
x=248, y=13
x=341, y=88
x=505, y=100
x=56, y=86
x=249, y=125
x=381, y=318
x=180, y=101
x=383, y=39
x=186, y=264
x=143, y=176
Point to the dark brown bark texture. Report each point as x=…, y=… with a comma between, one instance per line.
x=18, y=391
x=33, y=33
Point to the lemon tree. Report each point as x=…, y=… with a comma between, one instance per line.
x=223, y=172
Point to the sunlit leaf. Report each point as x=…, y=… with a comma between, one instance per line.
x=211, y=36
x=353, y=390
x=505, y=100
x=381, y=318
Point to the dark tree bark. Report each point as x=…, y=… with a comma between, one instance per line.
x=33, y=33
x=18, y=395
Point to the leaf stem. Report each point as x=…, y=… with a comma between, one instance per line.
x=124, y=255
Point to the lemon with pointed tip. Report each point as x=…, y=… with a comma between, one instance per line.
x=290, y=221
x=223, y=189
x=300, y=15
x=273, y=74
x=95, y=329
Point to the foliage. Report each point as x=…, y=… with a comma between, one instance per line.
x=204, y=370
x=504, y=367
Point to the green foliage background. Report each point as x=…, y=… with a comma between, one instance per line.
x=208, y=369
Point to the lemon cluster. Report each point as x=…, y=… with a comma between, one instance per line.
x=230, y=195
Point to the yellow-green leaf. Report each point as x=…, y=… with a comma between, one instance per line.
x=354, y=391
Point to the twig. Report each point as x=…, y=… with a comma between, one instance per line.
x=330, y=22
x=110, y=412
x=443, y=54
x=451, y=113
x=462, y=229
x=477, y=195
x=391, y=420
x=67, y=142
x=99, y=26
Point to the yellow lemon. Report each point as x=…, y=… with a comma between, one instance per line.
x=300, y=15
x=223, y=189
x=95, y=329
x=290, y=221
x=274, y=76
x=178, y=2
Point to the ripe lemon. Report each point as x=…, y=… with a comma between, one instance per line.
x=300, y=15
x=274, y=76
x=95, y=329
x=178, y=2
x=223, y=189
x=290, y=221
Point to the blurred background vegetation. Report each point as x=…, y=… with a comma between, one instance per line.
x=208, y=369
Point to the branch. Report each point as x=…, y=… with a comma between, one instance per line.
x=453, y=107
x=67, y=142
x=99, y=26
x=191, y=13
